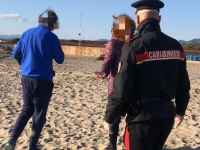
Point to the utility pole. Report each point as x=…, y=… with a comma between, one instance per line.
x=80, y=31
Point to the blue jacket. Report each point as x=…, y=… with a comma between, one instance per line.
x=39, y=46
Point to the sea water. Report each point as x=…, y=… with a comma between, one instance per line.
x=192, y=56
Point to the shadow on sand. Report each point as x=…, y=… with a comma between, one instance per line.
x=183, y=148
x=2, y=57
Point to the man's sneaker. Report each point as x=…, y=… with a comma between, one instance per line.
x=10, y=145
x=111, y=147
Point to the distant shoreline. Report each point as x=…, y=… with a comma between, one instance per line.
x=192, y=51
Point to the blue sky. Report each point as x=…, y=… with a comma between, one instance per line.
x=180, y=18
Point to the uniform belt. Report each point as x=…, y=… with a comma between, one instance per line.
x=150, y=100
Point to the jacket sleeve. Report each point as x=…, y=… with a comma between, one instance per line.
x=57, y=52
x=182, y=93
x=109, y=57
x=16, y=49
x=122, y=87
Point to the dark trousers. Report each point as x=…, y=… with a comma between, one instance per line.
x=115, y=129
x=147, y=135
x=36, y=96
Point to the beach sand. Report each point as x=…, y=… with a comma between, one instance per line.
x=77, y=107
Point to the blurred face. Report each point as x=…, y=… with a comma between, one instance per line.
x=50, y=20
x=56, y=25
x=123, y=29
x=50, y=23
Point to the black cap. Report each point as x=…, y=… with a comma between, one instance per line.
x=148, y=4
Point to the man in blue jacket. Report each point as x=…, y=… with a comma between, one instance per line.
x=34, y=52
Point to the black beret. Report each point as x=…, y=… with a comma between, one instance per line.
x=148, y=4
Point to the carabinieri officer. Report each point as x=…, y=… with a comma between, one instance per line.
x=152, y=72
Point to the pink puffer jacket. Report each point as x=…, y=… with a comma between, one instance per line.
x=113, y=53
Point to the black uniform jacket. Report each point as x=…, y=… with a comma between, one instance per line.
x=152, y=65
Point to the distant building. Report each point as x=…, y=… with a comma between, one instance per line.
x=3, y=40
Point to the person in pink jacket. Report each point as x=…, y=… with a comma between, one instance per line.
x=123, y=30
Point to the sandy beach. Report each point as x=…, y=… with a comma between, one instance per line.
x=76, y=111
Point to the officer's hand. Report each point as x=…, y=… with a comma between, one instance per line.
x=100, y=75
x=178, y=120
x=108, y=127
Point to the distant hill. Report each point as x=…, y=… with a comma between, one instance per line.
x=10, y=36
x=194, y=41
x=102, y=40
x=182, y=41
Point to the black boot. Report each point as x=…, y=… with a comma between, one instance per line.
x=111, y=147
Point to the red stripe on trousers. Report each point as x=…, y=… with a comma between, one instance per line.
x=127, y=138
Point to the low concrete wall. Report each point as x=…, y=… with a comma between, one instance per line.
x=83, y=50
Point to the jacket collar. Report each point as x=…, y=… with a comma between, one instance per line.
x=148, y=25
x=113, y=37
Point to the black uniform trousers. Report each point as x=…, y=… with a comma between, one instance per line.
x=147, y=135
x=36, y=96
